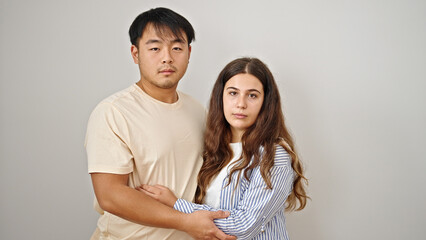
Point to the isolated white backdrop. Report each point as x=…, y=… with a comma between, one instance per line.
x=352, y=76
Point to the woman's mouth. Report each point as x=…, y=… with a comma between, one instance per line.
x=239, y=115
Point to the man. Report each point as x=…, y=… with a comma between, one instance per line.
x=150, y=133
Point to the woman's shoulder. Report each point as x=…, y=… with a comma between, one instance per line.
x=282, y=158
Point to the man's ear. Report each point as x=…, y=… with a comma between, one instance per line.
x=189, y=52
x=135, y=54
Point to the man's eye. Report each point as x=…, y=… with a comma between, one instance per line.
x=177, y=49
x=154, y=49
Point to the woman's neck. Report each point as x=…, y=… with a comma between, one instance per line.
x=236, y=136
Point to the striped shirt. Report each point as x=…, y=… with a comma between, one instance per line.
x=256, y=212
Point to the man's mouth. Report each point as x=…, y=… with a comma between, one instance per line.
x=167, y=71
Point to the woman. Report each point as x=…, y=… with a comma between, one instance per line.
x=250, y=167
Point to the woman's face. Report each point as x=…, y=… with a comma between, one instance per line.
x=242, y=99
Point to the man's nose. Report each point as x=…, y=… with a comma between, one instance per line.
x=167, y=57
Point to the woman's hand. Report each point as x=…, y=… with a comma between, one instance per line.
x=159, y=193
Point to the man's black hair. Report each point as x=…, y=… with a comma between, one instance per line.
x=163, y=20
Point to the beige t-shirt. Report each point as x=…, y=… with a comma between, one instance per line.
x=154, y=142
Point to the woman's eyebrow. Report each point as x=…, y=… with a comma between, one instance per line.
x=253, y=90
x=248, y=90
x=234, y=88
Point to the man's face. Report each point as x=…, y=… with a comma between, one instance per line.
x=162, y=60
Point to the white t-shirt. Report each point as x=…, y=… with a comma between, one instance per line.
x=213, y=191
x=154, y=142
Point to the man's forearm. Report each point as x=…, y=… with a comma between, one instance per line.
x=137, y=207
x=114, y=196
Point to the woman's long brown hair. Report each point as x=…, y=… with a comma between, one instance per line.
x=268, y=130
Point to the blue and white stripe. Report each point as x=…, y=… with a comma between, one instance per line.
x=256, y=212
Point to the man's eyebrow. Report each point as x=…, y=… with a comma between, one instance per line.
x=150, y=41
x=177, y=40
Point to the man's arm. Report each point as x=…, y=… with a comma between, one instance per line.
x=114, y=196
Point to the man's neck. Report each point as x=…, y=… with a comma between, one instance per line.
x=164, y=95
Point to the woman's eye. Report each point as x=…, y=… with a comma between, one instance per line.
x=232, y=93
x=252, y=96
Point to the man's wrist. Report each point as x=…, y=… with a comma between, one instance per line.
x=182, y=223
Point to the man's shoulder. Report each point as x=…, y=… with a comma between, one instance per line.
x=114, y=102
x=120, y=95
x=189, y=100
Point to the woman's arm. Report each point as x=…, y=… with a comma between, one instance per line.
x=258, y=204
x=167, y=197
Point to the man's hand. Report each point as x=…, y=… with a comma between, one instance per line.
x=200, y=225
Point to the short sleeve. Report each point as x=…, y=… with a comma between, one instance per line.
x=106, y=141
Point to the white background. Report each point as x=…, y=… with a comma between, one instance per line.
x=352, y=76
